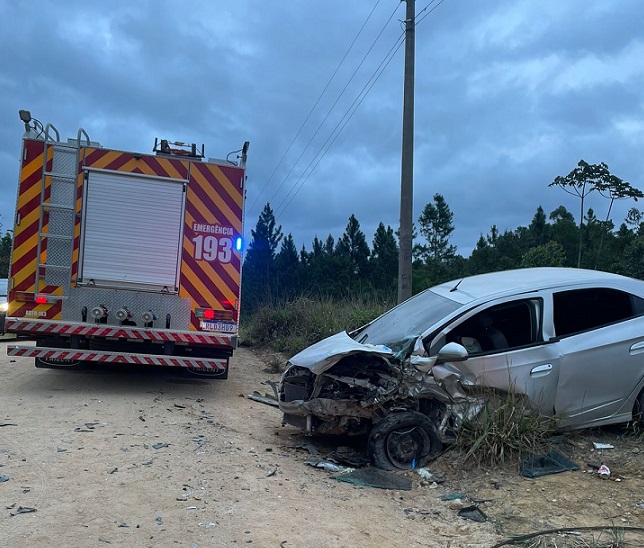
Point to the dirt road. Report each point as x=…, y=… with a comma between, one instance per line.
x=154, y=458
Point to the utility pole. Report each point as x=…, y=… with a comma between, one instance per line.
x=407, y=168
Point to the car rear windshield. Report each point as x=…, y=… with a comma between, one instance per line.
x=407, y=321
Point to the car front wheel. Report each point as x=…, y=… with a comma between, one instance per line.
x=404, y=440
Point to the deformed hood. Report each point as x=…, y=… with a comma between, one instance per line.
x=326, y=353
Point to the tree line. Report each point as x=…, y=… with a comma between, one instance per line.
x=275, y=271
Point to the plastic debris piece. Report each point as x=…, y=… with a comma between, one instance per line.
x=3, y=478
x=473, y=513
x=23, y=510
x=206, y=525
x=598, y=445
x=160, y=445
x=311, y=449
x=375, y=477
x=453, y=496
x=436, y=477
x=603, y=472
x=552, y=462
x=266, y=399
x=270, y=473
x=159, y=520
x=330, y=466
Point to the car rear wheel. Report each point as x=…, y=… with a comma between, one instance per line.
x=403, y=440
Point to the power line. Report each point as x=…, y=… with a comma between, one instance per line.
x=339, y=127
x=315, y=105
x=332, y=138
x=425, y=9
x=331, y=108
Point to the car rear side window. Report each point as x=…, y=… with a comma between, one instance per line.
x=584, y=309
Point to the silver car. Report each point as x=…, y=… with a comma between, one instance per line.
x=570, y=340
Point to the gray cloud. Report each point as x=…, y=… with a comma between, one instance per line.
x=508, y=96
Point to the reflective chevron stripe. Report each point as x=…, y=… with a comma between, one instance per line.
x=18, y=325
x=214, y=365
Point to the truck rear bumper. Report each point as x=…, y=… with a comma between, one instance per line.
x=52, y=328
x=214, y=365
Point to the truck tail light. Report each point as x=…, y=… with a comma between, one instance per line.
x=209, y=314
x=41, y=299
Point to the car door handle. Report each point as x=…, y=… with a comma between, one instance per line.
x=637, y=348
x=541, y=370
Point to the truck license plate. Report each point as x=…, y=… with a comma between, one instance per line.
x=222, y=327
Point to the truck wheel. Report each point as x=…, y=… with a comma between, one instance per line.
x=403, y=440
x=58, y=364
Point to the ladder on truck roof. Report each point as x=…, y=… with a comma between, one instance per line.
x=58, y=240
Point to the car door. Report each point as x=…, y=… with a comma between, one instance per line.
x=505, y=340
x=600, y=332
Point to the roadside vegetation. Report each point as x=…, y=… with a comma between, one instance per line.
x=291, y=326
x=506, y=430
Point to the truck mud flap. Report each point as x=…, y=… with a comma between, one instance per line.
x=206, y=366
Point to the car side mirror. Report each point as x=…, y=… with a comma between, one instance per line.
x=452, y=352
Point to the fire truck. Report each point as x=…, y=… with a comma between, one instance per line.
x=124, y=257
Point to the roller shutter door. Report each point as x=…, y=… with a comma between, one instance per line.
x=132, y=230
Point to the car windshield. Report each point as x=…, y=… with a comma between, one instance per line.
x=406, y=321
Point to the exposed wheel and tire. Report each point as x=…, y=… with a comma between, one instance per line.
x=404, y=440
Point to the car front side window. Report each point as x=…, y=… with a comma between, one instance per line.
x=497, y=328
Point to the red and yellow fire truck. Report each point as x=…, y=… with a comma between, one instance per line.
x=124, y=257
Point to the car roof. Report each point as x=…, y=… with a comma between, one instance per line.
x=509, y=282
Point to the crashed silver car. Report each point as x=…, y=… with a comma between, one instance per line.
x=571, y=341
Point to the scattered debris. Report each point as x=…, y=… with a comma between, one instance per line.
x=266, y=399
x=22, y=510
x=113, y=470
x=436, y=477
x=206, y=525
x=453, y=496
x=375, y=477
x=603, y=472
x=7, y=424
x=330, y=466
x=598, y=445
x=473, y=513
x=270, y=473
x=159, y=520
x=3, y=478
x=312, y=450
x=161, y=445
x=552, y=462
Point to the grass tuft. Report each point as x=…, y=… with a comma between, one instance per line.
x=507, y=429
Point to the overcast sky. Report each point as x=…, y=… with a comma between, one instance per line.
x=509, y=95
